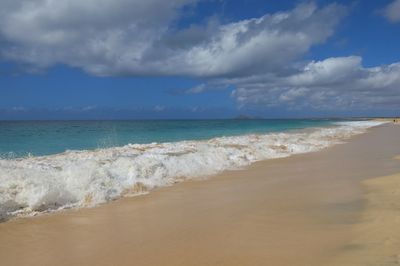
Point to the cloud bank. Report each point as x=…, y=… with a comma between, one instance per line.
x=263, y=57
x=333, y=83
x=139, y=38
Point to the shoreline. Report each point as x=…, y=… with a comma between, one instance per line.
x=300, y=209
x=79, y=179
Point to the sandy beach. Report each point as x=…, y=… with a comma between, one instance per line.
x=377, y=236
x=333, y=207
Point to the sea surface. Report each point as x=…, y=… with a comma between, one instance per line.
x=35, y=138
x=53, y=165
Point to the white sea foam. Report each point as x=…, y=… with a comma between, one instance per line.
x=86, y=178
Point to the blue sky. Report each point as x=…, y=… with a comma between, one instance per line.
x=198, y=59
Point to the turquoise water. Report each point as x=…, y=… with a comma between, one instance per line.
x=35, y=184
x=22, y=138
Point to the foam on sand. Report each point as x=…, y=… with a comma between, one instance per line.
x=85, y=178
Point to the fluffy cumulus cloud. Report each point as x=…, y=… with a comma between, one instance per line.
x=392, y=11
x=134, y=37
x=329, y=84
x=103, y=37
x=263, y=57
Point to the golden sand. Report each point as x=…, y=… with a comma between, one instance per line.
x=301, y=210
x=377, y=234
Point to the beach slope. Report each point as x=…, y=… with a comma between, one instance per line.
x=302, y=210
x=376, y=239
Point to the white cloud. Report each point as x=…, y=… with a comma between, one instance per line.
x=95, y=35
x=18, y=109
x=333, y=83
x=261, y=56
x=392, y=11
x=196, y=89
x=159, y=108
x=122, y=37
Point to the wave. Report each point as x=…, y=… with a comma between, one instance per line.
x=75, y=179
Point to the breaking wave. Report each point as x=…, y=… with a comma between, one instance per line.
x=86, y=178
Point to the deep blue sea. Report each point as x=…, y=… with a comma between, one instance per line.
x=22, y=138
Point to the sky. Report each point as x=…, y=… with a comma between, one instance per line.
x=194, y=59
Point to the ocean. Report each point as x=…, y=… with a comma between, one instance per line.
x=53, y=165
x=35, y=138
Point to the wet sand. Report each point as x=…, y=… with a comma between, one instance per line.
x=376, y=238
x=303, y=210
